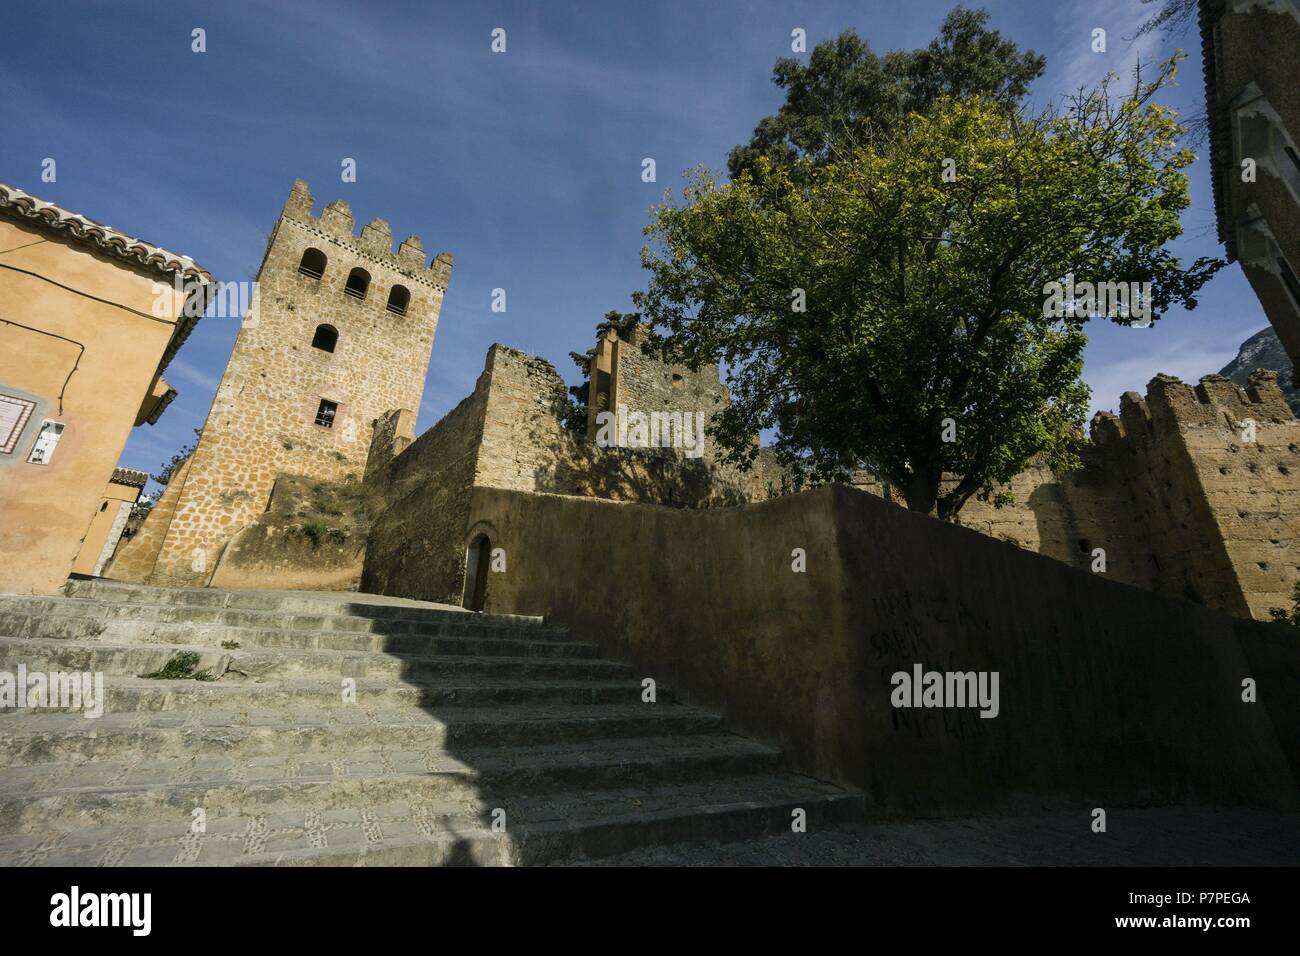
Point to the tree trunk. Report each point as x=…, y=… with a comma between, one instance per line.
x=922, y=492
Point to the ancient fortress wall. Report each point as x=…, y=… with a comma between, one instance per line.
x=416, y=546
x=264, y=419
x=1109, y=696
x=1190, y=492
x=509, y=433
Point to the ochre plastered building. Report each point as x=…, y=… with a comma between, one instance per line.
x=83, y=346
x=338, y=337
x=106, y=527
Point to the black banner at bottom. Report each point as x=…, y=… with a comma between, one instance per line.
x=335, y=906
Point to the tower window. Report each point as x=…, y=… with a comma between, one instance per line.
x=325, y=414
x=358, y=283
x=398, y=299
x=326, y=338
x=312, y=264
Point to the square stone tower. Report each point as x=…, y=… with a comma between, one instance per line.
x=339, y=335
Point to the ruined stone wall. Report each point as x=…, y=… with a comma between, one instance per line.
x=641, y=382
x=263, y=421
x=510, y=434
x=392, y=435
x=1178, y=499
x=417, y=544
x=527, y=448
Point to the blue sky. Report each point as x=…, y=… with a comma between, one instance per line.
x=526, y=166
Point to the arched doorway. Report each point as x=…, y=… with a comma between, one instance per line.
x=477, y=559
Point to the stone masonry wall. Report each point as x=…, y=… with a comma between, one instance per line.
x=263, y=419
x=643, y=383
x=135, y=558
x=417, y=544
x=1176, y=496
x=510, y=434
x=1169, y=490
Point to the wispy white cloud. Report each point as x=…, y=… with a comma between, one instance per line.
x=181, y=369
x=1079, y=66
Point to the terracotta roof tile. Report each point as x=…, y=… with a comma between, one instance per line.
x=18, y=204
x=130, y=477
x=26, y=206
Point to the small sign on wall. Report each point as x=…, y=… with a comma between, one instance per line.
x=14, y=413
x=46, y=442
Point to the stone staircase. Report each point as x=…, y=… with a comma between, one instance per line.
x=476, y=739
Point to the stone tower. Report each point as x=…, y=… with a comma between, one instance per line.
x=339, y=336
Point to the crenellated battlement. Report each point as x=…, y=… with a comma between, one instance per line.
x=340, y=340
x=375, y=240
x=1215, y=400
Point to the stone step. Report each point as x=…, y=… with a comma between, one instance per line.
x=347, y=728
x=32, y=738
x=413, y=832
x=342, y=603
x=65, y=627
x=116, y=792
x=142, y=695
x=137, y=660
x=19, y=611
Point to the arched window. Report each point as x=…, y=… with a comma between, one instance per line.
x=326, y=338
x=358, y=283
x=313, y=263
x=398, y=299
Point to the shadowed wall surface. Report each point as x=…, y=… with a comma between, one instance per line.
x=1109, y=695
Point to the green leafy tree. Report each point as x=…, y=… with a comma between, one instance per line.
x=845, y=94
x=869, y=306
